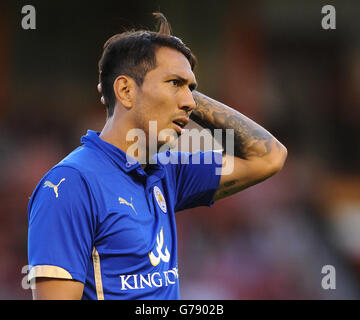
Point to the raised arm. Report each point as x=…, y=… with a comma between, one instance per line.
x=257, y=154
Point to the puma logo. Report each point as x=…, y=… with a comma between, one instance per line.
x=123, y=201
x=49, y=184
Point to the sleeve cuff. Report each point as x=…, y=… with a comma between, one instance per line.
x=48, y=271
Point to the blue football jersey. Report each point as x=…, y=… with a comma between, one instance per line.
x=100, y=219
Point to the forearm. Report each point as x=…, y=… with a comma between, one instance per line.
x=250, y=139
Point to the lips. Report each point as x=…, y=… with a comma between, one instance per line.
x=181, y=122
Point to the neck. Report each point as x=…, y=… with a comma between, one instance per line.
x=115, y=131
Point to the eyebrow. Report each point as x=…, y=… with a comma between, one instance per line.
x=192, y=85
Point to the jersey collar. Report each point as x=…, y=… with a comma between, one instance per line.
x=124, y=161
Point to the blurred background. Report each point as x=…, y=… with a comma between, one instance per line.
x=272, y=61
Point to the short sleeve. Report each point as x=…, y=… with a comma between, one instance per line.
x=197, y=176
x=61, y=226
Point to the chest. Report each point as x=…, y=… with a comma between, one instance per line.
x=137, y=221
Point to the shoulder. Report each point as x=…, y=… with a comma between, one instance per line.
x=83, y=160
x=59, y=183
x=66, y=180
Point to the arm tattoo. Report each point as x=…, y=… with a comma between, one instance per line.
x=250, y=138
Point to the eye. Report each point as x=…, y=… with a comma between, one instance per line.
x=175, y=82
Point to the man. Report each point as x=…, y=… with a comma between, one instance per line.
x=102, y=225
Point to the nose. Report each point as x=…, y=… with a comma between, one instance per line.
x=187, y=103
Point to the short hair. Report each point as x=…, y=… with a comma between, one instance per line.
x=133, y=53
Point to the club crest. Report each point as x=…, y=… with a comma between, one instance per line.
x=160, y=199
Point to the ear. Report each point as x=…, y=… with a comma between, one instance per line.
x=124, y=88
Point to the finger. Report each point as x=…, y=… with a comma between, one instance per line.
x=102, y=100
x=99, y=87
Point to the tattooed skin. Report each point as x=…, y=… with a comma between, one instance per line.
x=250, y=138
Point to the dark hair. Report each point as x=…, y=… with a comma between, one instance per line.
x=132, y=53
